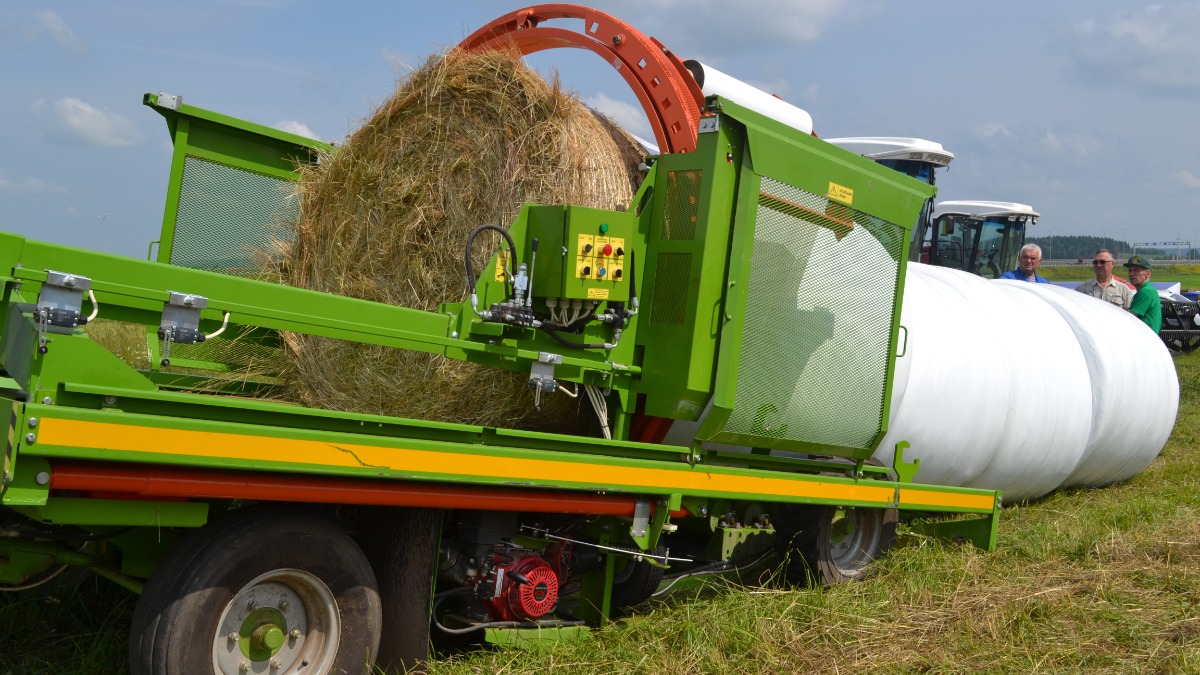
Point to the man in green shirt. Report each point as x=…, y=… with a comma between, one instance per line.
x=1146, y=305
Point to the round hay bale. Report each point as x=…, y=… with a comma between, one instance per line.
x=466, y=139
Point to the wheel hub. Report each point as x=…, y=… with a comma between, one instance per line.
x=853, y=534
x=282, y=622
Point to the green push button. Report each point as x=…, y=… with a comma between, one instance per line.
x=603, y=228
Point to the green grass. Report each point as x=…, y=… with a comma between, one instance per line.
x=1085, y=581
x=81, y=630
x=1099, y=580
x=1188, y=276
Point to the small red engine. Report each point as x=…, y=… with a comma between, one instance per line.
x=524, y=590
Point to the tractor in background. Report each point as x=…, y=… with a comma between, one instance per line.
x=980, y=237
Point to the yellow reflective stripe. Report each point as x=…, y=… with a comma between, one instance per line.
x=217, y=445
x=912, y=497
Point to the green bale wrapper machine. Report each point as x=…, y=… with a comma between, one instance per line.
x=752, y=290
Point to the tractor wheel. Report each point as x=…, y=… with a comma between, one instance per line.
x=402, y=545
x=268, y=590
x=838, y=543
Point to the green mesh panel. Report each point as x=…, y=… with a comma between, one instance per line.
x=681, y=205
x=815, y=347
x=671, y=275
x=227, y=216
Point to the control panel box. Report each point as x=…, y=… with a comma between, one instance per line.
x=597, y=244
x=584, y=255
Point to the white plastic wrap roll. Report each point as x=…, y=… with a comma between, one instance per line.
x=1134, y=386
x=714, y=82
x=1024, y=387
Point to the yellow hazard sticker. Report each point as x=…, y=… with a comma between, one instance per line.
x=841, y=193
x=502, y=265
x=597, y=293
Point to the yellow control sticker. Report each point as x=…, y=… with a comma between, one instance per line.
x=585, y=262
x=502, y=265
x=597, y=293
x=841, y=193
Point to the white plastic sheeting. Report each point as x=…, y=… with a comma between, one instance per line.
x=713, y=81
x=1025, y=388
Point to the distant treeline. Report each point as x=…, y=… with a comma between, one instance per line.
x=1071, y=246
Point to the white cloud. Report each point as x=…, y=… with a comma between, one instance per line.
x=32, y=186
x=629, y=117
x=402, y=63
x=61, y=33
x=811, y=95
x=75, y=120
x=993, y=131
x=1153, y=49
x=298, y=128
x=1072, y=144
x=702, y=27
x=1187, y=179
x=778, y=87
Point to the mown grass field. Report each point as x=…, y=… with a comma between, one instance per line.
x=1188, y=276
x=1101, y=580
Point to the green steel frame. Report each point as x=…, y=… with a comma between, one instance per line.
x=76, y=403
x=229, y=141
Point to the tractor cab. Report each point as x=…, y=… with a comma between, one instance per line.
x=913, y=157
x=979, y=237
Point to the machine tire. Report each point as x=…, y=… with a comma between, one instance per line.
x=402, y=545
x=636, y=582
x=300, y=570
x=843, y=543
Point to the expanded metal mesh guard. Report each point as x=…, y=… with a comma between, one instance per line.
x=670, y=289
x=228, y=216
x=819, y=313
x=681, y=208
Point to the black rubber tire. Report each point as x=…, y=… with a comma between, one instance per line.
x=844, y=542
x=402, y=545
x=177, y=617
x=636, y=582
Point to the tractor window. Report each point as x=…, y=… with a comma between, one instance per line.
x=922, y=171
x=989, y=264
x=999, y=241
x=952, y=242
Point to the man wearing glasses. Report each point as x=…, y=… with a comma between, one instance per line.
x=1146, y=305
x=1106, y=286
x=1027, y=263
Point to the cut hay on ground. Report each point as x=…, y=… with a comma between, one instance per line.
x=465, y=140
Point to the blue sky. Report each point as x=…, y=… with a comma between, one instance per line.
x=1085, y=109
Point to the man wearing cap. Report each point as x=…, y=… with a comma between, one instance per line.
x=1146, y=305
x=1105, y=286
x=1028, y=261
